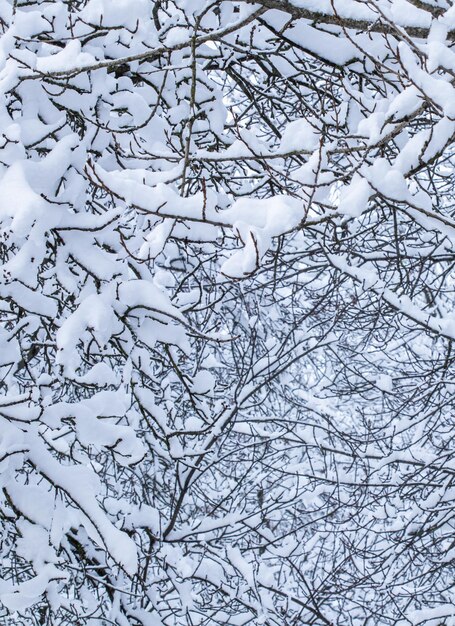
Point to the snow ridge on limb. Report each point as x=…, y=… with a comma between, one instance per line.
x=412, y=16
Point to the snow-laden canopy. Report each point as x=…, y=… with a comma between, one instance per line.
x=227, y=236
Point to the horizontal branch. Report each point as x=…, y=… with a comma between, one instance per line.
x=344, y=20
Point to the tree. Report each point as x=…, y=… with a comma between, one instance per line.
x=227, y=312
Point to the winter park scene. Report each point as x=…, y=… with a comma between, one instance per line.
x=227, y=313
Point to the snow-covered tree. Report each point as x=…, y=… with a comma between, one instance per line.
x=227, y=236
